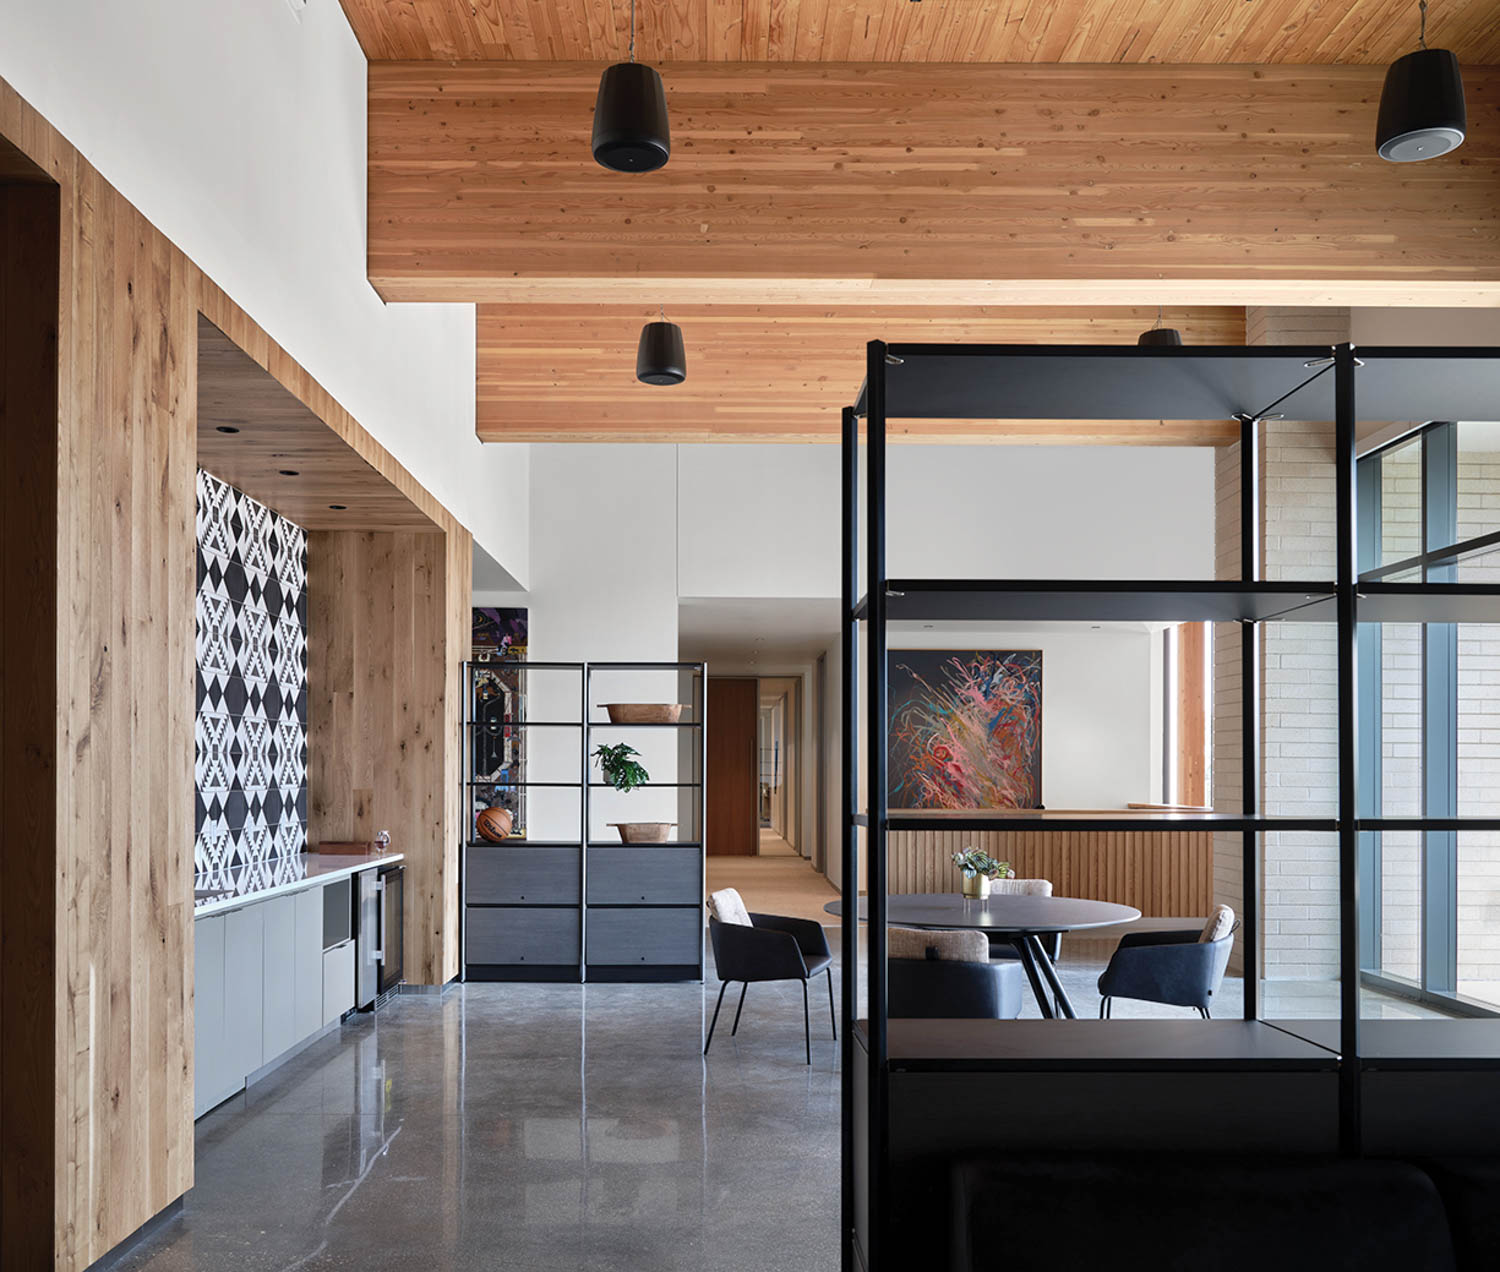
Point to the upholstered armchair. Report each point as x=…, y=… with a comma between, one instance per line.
x=1000, y=947
x=948, y=975
x=1180, y=968
x=765, y=947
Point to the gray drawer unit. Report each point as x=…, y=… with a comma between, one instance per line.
x=644, y=936
x=522, y=876
x=649, y=876
x=516, y=934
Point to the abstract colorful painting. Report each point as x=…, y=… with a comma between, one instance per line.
x=499, y=634
x=965, y=728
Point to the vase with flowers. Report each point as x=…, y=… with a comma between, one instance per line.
x=978, y=868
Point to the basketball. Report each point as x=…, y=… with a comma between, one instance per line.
x=494, y=823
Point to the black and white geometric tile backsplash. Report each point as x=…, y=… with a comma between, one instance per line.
x=251, y=768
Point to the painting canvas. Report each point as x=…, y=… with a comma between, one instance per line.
x=965, y=728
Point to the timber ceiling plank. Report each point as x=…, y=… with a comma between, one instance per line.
x=1096, y=31
x=549, y=373
x=965, y=185
x=273, y=431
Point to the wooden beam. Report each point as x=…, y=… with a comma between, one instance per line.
x=1283, y=31
x=953, y=185
x=550, y=373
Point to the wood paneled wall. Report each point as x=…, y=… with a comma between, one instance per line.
x=1165, y=874
x=99, y=574
x=387, y=627
x=937, y=185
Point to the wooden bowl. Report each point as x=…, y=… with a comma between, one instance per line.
x=643, y=832
x=644, y=712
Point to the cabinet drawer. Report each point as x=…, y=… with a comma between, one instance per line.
x=544, y=937
x=338, y=981
x=655, y=876
x=644, y=936
x=521, y=876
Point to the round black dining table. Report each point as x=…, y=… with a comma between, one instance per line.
x=1018, y=920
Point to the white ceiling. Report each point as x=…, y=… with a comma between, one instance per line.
x=771, y=631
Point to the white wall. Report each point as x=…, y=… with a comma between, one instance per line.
x=238, y=129
x=603, y=588
x=1451, y=327
x=764, y=520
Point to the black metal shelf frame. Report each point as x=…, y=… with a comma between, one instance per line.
x=1244, y=384
x=698, y=720
x=586, y=725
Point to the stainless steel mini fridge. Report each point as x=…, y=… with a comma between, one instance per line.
x=378, y=966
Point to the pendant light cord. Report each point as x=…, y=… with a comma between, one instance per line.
x=632, y=27
x=1422, y=5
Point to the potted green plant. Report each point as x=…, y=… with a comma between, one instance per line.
x=978, y=869
x=620, y=764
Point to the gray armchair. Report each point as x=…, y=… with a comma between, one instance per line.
x=1176, y=968
x=771, y=947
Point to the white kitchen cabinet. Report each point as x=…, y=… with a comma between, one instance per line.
x=212, y=1080
x=338, y=981
x=244, y=988
x=307, y=976
x=278, y=977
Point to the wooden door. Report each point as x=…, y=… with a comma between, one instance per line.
x=731, y=827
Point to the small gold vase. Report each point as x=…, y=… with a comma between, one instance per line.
x=976, y=887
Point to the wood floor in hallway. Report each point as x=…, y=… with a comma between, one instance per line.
x=778, y=881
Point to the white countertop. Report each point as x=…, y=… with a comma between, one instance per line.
x=246, y=885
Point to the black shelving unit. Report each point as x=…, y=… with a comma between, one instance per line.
x=904, y=1085
x=522, y=898
x=643, y=903
x=581, y=908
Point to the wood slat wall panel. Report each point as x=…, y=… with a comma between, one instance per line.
x=1373, y=31
x=388, y=627
x=114, y=561
x=549, y=373
x=959, y=185
x=1161, y=873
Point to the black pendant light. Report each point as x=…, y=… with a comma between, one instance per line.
x=1422, y=111
x=661, y=357
x=1158, y=336
x=630, y=116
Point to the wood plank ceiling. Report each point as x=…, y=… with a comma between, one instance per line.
x=275, y=435
x=809, y=207
x=1166, y=31
x=550, y=373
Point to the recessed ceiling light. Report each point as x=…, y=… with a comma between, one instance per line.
x=290, y=472
x=226, y=428
x=339, y=507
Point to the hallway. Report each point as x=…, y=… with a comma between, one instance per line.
x=778, y=881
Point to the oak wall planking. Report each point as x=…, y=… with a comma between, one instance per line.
x=951, y=185
x=111, y=560
x=1161, y=873
x=385, y=640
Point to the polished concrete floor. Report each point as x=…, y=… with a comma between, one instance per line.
x=523, y=1127
x=541, y=1127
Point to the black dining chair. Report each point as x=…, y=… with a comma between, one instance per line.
x=771, y=947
